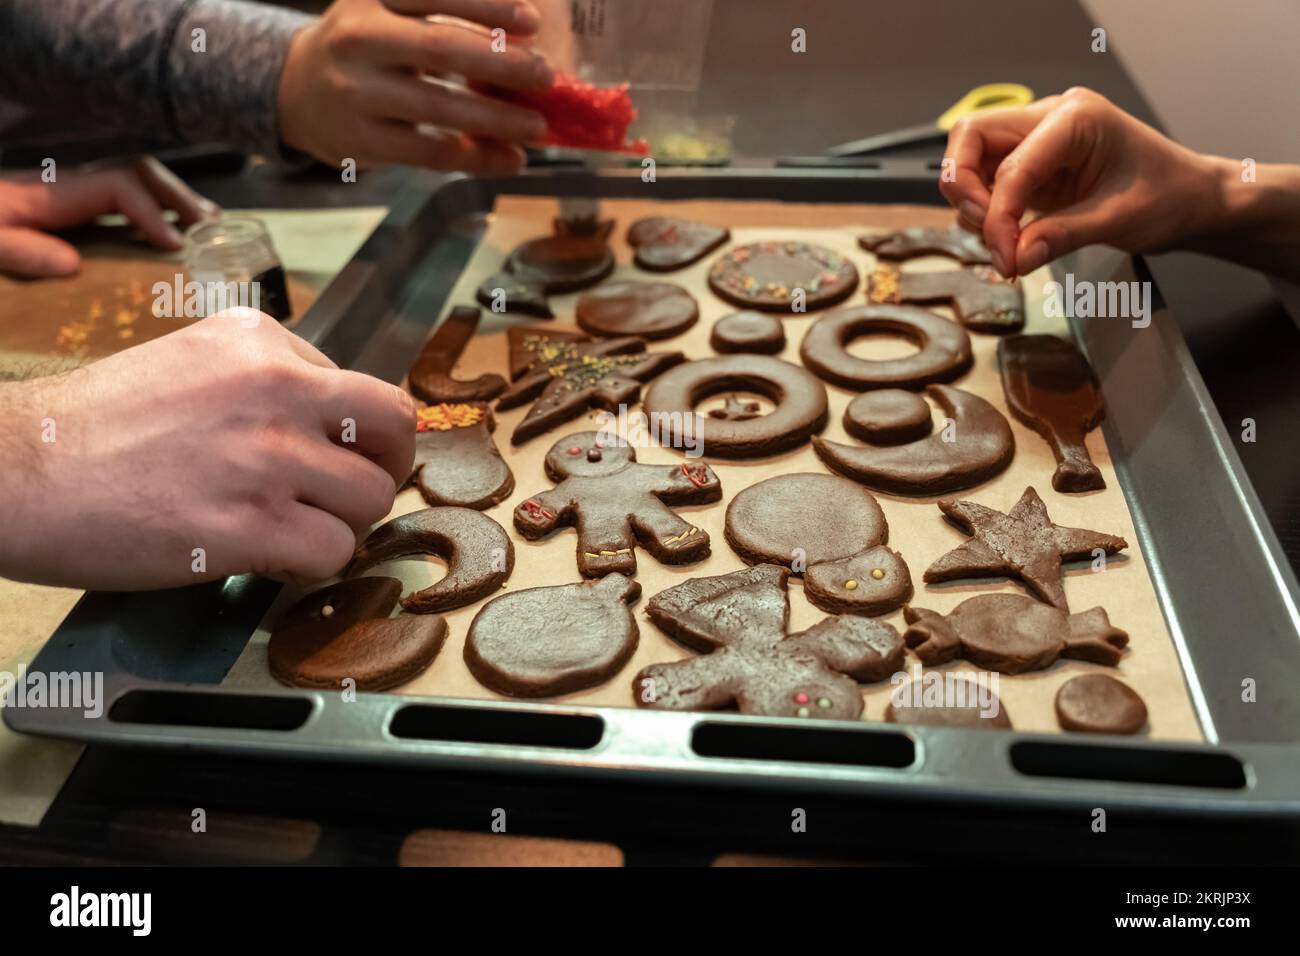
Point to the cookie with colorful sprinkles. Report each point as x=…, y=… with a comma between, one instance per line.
x=783, y=276
x=456, y=460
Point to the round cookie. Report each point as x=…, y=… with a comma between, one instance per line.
x=748, y=331
x=648, y=310
x=888, y=416
x=546, y=641
x=944, y=354
x=344, y=632
x=576, y=257
x=1099, y=704
x=478, y=552
x=824, y=516
x=800, y=400
x=874, y=581
x=665, y=243
x=765, y=275
x=910, y=704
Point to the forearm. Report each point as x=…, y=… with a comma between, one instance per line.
x=140, y=65
x=21, y=427
x=1253, y=221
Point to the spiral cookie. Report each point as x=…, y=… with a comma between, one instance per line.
x=770, y=276
x=944, y=348
x=799, y=398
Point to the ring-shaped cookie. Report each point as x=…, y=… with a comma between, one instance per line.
x=944, y=348
x=799, y=398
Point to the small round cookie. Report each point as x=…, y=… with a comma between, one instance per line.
x=944, y=354
x=1099, y=704
x=909, y=704
x=875, y=581
x=748, y=331
x=797, y=521
x=766, y=275
x=648, y=310
x=800, y=400
x=888, y=416
x=344, y=632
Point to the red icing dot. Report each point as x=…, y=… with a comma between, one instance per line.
x=801, y=698
x=575, y=450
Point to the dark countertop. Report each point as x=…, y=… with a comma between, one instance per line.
x=868, y=68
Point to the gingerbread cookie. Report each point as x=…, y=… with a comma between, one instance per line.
x=665, y=244
x=738, y=621
x=504, y=292
x=799, y=398
x=478, y=552
x=1012, y=634
x=542, y=642
x=955, y=242
x=827, y=529
x=944, y=348
x=780, y=276
x=569, y=375
x=576, y=257
x=649, y=310
x=974, y=445
x=1049, y=386
x=430, y=377
x=1021, y=544
x=615, y=503
x=1099, y=704
x=344, y=632
x=981, y=299
x=748, y=332
x=929, y=704
x=456, y=461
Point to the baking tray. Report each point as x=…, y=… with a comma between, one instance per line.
x=1229, y=599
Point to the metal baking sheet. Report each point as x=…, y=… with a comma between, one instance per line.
x=1229, y=600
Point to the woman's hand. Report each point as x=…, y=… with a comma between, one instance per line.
x=140, y=189
x=356, y=84
x=1091, y=172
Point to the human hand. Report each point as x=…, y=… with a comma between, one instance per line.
x=356, y=84
x=228, y=435
x=141, y=189
x=1089, y=170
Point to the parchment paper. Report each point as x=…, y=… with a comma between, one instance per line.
x=917, y=528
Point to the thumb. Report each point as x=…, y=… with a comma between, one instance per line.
x=1061, y=232
x=36, y=255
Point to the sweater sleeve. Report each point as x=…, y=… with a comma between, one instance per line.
x=170, y=71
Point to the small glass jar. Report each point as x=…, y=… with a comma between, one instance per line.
x=233, y=261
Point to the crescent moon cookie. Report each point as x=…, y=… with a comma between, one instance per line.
x=767, y=275
x=649, y=310
x=456, y=461
x=478, y=552
x=829, y=530
x=344, y=632
x=944, y=347
x=542, y=642
x=1021, y=544
x=980, y=298
x=754, y=332
x=565, y=375
x=1099, y=704
x=955, y=242
x=1050, y=387
x=430, y=377
x=615, y=503
x=800, y=400
x=1012, y=634
x=665, y=244
x=975, y=446
x=738, y=622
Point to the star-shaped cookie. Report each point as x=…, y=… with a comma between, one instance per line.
x=1021, y=544
x=564, y=373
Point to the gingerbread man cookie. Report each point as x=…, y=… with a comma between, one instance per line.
x=456, y=460
x=616, y=503
x=738, y=622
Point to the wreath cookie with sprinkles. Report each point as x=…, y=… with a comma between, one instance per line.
x=769, y=276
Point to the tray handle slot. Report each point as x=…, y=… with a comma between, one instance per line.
x=803, y=745
x=192, y=708
x=1176, y=768
x=474, y=725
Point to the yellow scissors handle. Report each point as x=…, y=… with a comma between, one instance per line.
x=988, y=96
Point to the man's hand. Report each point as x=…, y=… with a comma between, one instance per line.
x=1092, y=173
x=226, y=447
x=358, y=82
x=141, y=190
